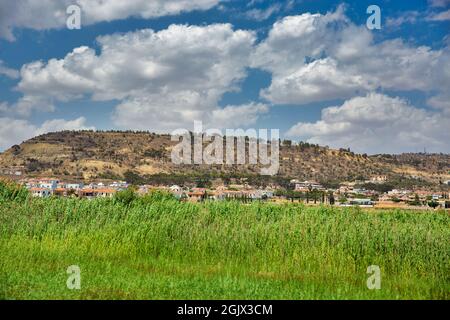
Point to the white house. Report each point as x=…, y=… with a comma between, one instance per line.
x=74, y=186
x=40, y=192
x=177, y=191
x=307, y=185
x=51, y=184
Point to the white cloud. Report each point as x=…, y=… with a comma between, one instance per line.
x=439, y=3
x=161, y=79
x=237, y=116
x=24, y=106
x=107, y=10
x=292, y=39
x=410, y=17
x=10, y=73
x=60, y=124
x=376, y=123
x=314, y=57
x=166, y=115
x=165, y=80
x=319, y=80
x=263, y=14
x=440, y=16
x=50, y=14
x=440, y=102
x=14, y=131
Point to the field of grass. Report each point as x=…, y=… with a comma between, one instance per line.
x=158, y=248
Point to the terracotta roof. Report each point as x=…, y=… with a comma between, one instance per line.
x=87, y=190
x=196, y=194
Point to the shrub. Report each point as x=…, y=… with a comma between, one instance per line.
x=155, y=196
x=433, y=204
x=125, y=197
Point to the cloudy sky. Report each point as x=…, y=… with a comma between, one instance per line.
x=309, y=68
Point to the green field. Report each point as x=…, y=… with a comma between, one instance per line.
x=158, y=248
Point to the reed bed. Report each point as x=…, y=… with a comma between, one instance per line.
x=160, y=248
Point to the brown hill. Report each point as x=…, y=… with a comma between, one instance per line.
x=96, y=155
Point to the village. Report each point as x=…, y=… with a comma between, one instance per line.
x=308, y=192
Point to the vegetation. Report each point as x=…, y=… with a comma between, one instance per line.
x=10, y=191
x=416, y=201
x=155, y=247
x=111, y=154
x=380, y=187
x=433, y=204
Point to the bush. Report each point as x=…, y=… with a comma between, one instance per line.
x=433, y=204
x=133, y=178
x=125, y=197
x=416, y=201
x=155, y=196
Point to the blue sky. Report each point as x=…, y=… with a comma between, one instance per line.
x=309, y=68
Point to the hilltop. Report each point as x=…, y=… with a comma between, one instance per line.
x=114, y=154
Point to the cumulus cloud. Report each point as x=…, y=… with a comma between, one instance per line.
x=377, y=123
x=162, y=79
x=316, y=81
x=167, y=79
x=14, y=131
x=25, y=105
x=315, y=57
x=440, y=102
x=238, y=116
x=60, y=124
x=50, y=14
x=166, y=115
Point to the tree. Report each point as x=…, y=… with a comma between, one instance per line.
x=331, y=199
x=380, y=187
x=416, y=201
x=15, y=149
x=315, y=195
x=133, y=178
x=125, y=197
x=433, y=204
x=395, y=199
x=287, y=143
x=342, y=200
x=280, y=193
x=203, y=182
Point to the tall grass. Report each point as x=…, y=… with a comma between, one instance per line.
x=10, y=191
x=157, y=247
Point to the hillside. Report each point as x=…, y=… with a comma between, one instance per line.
x=102, y=155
